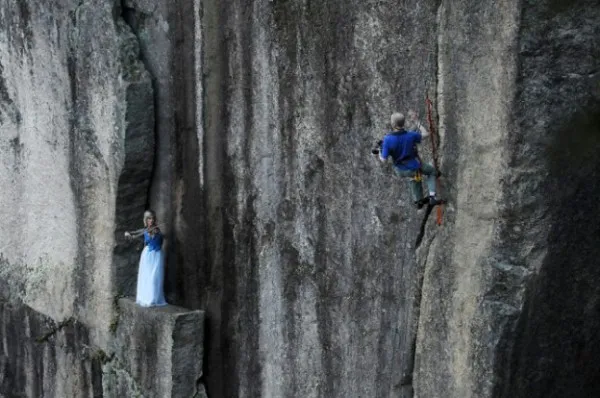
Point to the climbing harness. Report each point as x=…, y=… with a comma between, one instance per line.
x=418, y=176
x=432, y=131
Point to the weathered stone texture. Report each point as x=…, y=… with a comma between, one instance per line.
x=76, y=139
x=85, y=108
x=40, y=357
x=159, y=349
x=558, y=113
x=508, y=302
x=309, y=267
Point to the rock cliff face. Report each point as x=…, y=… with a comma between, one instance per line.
x=76, y=132
x=508, y=303
x=309, y=269
x=247, y=126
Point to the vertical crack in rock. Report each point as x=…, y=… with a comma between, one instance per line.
x=132, y=18
x=407, y=381
x=245, y=253
x=423, y=226
x=186, y=253
x=76, y=176
x=139, y=152
x=219, y=297
x=25, y=16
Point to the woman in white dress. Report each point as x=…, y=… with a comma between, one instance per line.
x=152, y=268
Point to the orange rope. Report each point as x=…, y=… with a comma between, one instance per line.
x=435, y=155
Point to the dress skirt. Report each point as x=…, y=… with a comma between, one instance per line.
x=150, y=279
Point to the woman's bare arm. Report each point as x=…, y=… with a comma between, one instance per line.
x=134, y=234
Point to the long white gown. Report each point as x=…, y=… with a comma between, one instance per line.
x=151, y=272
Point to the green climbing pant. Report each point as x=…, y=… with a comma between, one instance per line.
x=427, y=171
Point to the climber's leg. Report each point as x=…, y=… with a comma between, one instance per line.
x=429, y=171
x=415, y=185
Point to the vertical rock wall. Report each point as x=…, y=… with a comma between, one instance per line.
x=74, y=118
x=309, y=271
x=77, y=146
x=509, y=306
x=558, y=115
x=463, y=313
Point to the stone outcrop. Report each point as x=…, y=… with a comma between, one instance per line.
x=247, y=126
x=160, y=349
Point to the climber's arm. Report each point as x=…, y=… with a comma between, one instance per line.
x=423, y=130
x=384, y=152
x=412, y=116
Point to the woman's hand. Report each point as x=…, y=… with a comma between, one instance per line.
x=128, y=235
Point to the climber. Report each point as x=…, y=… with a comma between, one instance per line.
x=401, y=145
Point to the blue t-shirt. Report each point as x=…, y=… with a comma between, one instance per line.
x=153, y=242
x=402, y=147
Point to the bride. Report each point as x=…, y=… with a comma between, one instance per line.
x=151, y=269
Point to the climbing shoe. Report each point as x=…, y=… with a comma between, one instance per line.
x=422, y=202
x=434, y=202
